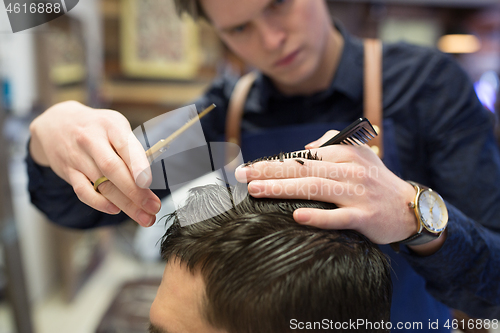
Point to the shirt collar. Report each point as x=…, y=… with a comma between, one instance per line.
x=348, y=78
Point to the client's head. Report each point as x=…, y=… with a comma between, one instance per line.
x=253, y=269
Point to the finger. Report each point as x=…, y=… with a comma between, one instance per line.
x=135, y=212
x=115, y=169
x=108, y=193
x=289, y=168
x=340, y=218
x=132, y=153
x=310, y=188
x=86, y=193
x=327, y=136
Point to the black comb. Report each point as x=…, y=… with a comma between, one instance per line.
x=357, y=133
x=282, y=156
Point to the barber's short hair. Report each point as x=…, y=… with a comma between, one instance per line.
x=262, y=269
x=191, y=7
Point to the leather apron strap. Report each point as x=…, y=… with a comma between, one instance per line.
x=236, y=106
x=372, y=97
x=372, y=107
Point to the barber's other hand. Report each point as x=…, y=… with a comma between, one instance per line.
x=371, y=199
x=82, y=144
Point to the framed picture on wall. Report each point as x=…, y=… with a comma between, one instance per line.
x=62, y=49
x=61, y=62
x=420, y=31
x=156, y=43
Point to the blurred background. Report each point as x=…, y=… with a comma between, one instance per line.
x=137, y=57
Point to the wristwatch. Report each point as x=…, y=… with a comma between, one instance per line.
x=431, y=214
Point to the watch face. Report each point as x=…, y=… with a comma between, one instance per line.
x=432, y=211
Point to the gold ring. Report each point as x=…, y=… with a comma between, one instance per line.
x=99, y=182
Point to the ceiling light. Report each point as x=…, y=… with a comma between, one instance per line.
x=459, y=43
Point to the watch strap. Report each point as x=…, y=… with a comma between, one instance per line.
x=420, y=238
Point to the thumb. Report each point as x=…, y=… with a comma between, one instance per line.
x=134, y=156
x=139, y=164
x=327, y=136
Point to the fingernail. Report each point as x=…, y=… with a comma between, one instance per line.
x=302, y=216
x=152, y=206
x=145, y=219
x=153, y=219
x=241, y=174
x=256, y=187
x=143, y=179
x=112, y=209
x=311, y=144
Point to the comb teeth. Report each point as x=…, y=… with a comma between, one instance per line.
x=351, y=141
x=359, y=138
x=356, y=134
x=362, y=137
x=369, y=134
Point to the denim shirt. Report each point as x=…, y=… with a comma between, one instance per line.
x=436, y=133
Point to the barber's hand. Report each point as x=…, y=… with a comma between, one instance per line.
x=371, y=199
x=82, y=144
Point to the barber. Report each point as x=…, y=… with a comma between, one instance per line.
x=310, y=80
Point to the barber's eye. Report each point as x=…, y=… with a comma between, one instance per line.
x=239, y=29
x=279, y=2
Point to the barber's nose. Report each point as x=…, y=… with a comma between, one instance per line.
x=273, y=36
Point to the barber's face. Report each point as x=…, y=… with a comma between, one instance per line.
x=285, y=39
x=178, y=306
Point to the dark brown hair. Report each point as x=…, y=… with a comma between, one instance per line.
x=262, y=269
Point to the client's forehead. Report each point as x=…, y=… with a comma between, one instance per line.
x=178, y=305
